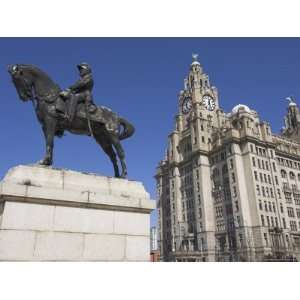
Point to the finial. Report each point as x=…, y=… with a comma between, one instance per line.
x=195, y=56
x=290, y=99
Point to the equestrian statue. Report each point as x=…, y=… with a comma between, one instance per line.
x=72, y=110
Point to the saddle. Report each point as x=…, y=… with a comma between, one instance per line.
x=99, y=114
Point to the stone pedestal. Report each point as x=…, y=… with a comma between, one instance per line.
x=51, y=214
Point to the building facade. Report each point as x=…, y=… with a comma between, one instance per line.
x=228, y=188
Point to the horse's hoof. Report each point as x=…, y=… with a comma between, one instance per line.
x=45, y=162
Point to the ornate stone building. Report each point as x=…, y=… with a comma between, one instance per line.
x=228, y=188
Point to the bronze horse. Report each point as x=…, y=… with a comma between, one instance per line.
x=105, y=126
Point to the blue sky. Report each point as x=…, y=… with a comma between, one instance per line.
x=139, y=78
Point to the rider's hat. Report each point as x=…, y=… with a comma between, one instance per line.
x=84, y=66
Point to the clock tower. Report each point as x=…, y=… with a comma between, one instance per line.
x=188, y=155
x=198, y=98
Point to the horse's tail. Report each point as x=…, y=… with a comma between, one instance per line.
x=128, y=129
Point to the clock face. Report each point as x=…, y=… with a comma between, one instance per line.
x=209, y=102
x=186, y=105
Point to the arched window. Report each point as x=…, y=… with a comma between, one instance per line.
x=292, y=176
x=224, y=170
x=216, y=172
x=283, y=173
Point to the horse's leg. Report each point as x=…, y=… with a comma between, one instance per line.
x=49, y=128
x=107, y=148
x=121, y=154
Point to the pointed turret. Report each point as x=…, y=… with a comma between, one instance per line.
x=292, y=119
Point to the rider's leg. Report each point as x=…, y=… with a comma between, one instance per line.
x=73, y=106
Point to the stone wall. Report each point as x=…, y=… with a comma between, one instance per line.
x=60, y=215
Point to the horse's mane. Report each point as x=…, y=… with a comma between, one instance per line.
x=40, y=73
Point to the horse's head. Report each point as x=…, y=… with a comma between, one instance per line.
x=32, y=82
x=23, y=81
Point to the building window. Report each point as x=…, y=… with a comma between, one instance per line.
x=266, y=240
x=257, y=190
x=283, y=223
x=234, y=192
x=292, y=176
x=258, y=162
x=290, y=212
x=269, y=179
x=267, y=192
x=253, y=162
x=281, y=208
x=279, y=193
x=268, y=221
x=293, y=225
x=241, y=240
x=224, y=170
x=283, y=173
x=262, y=220
x=237, y=206
x=260, y=205
x=233, y=177
x=255, y=176
x=231, y=164
x=219, y=211
x=270, y=206
x=263, y=191
x=297, y=199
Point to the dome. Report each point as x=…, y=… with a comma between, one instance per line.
x=292, y=104
x=195, y=63
x=241, y=107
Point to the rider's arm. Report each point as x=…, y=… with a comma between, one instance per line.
x=80, y=84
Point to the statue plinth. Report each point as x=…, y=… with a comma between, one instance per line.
x=50, y=214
